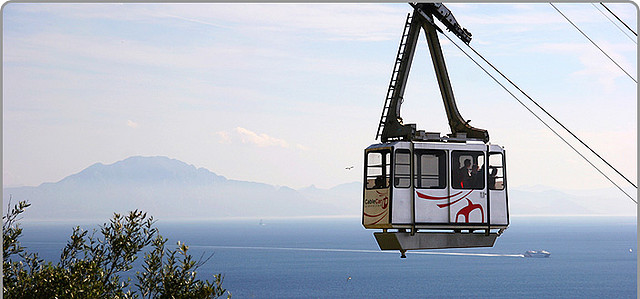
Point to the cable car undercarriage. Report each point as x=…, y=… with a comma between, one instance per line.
x=424, y=190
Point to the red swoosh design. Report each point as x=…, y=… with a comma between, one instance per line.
x=442, y=205
x=374, y=215
x=436, y=197
x=380, y=218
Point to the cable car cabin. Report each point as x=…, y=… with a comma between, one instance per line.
x=423, y=190
x=428, y=195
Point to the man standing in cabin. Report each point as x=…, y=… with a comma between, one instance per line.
x=465, y=173
x=477, y=177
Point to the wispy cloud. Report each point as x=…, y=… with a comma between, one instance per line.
x=47, y=48
x=302, y=147
x=348, y=21
x=73, y=50
x=364, y=22
x=260, y=139
x=132, y=124
x=593, y=62
x=193, y=20
x=246, y=136
x=223, y=137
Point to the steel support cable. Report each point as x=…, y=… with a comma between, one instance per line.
x=552, y=117
x=536, y=116
x=603, y=52
x=621, y=21
x=614, y=23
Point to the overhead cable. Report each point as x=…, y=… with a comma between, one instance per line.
x=603, y=52
x=621, y=21
x=534, y=114
x=552, y=117
x=614, y=23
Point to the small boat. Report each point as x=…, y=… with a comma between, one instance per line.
x=537, y=253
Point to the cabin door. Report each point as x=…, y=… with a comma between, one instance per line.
x=432, y=195
x=376, y=204
x=468, y=190
x=496, y=184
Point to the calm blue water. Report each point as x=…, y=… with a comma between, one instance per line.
x=313, y=259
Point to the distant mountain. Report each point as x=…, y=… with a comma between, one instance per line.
x=143, y=170
x=170, y=189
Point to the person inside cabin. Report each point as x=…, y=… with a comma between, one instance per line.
x=465, y=174
x=491, y=180
x=474, y=175
x=477, y=177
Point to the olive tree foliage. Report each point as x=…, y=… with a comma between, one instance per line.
x=91, y=264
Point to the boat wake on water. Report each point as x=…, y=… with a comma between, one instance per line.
x=467, y=254
x=360, y=251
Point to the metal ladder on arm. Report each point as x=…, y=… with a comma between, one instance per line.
x=394, y=76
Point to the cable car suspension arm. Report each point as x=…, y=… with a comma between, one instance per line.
x=391, y=126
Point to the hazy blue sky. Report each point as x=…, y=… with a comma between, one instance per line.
x=291, y=94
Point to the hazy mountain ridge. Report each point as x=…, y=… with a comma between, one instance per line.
x=143, y=170
x=171, y=189
x=166, y=188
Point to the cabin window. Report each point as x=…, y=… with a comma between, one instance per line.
x=495, y=180
x=378, y=169
x=402, y=169
x=467, y=169
x=431, y=169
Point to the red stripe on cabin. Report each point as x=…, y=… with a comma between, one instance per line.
x=380, y=219
x=374, y=215
x=436, y=197
x=442, y=205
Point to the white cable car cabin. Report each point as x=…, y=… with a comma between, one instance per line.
x=427, y=191
x=444, y=190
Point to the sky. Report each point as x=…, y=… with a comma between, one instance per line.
x=291, y=94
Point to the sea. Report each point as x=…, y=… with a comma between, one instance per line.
x=591, y=257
